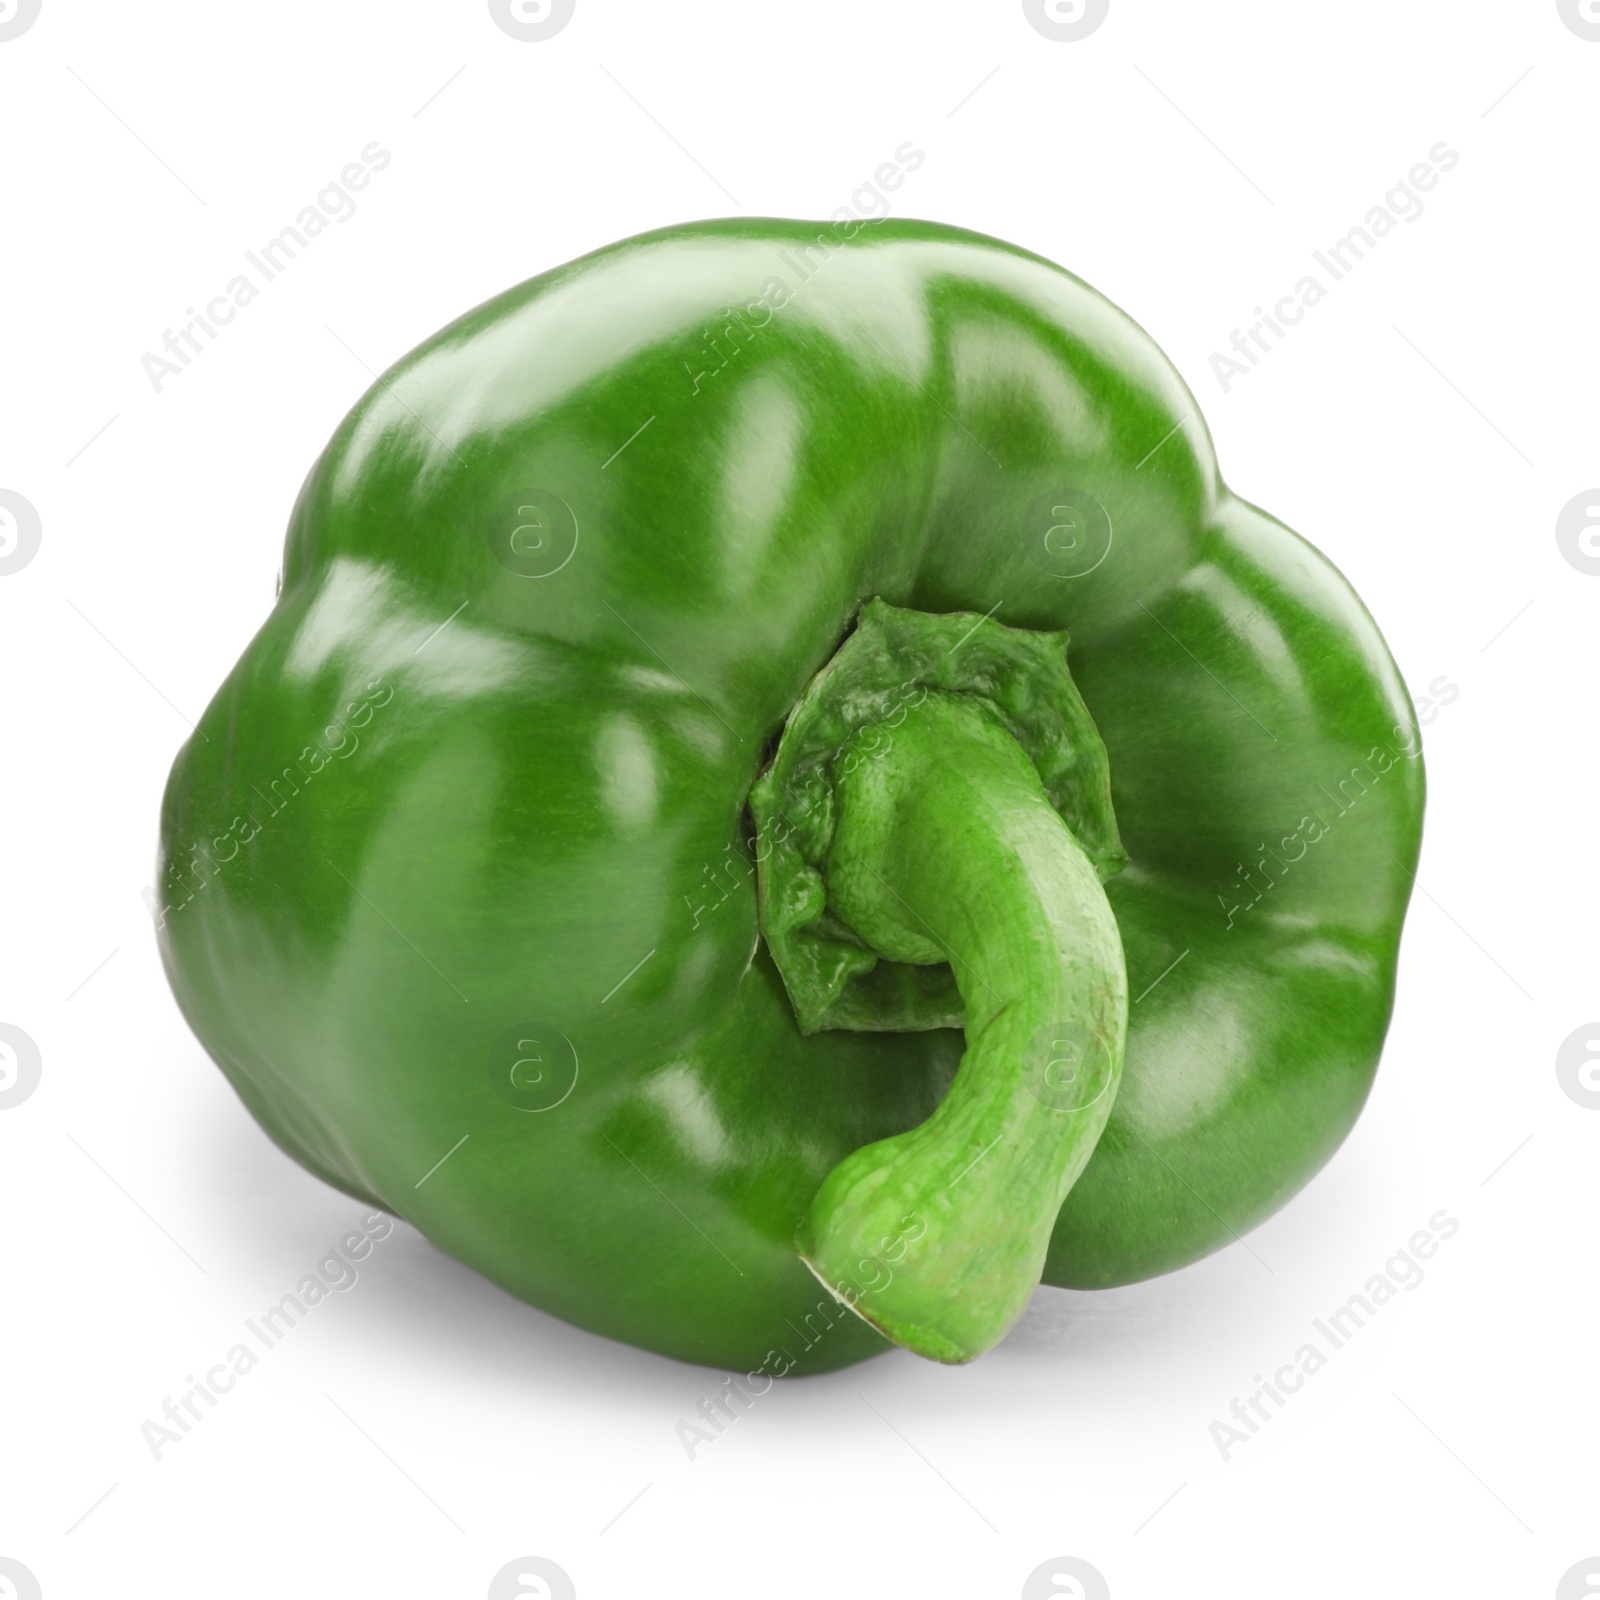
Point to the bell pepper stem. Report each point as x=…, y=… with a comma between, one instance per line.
x=947, y=849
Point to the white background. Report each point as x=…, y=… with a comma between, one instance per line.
x=1424, y=426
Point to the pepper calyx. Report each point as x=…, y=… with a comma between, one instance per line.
x=847, y=716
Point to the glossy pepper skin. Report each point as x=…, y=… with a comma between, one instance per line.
x=457, y=876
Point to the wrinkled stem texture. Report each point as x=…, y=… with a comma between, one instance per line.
x=948, y=850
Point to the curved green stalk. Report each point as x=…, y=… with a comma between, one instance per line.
x=947, y=849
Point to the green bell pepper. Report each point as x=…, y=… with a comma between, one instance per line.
x=660, y=845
